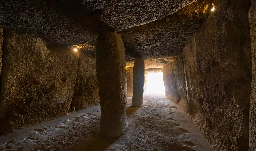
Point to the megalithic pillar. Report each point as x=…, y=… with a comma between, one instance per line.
x=138, y=82
x=110, y=68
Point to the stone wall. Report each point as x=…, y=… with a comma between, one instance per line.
x=129, y=77
x=252, y=125
x=213, y=76
x=171, y=90
x=38, y=81
x=86, y=89
x=1, y=52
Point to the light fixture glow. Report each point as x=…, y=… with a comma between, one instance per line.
x=154, y=83
x=213, y=8
x=75, y=49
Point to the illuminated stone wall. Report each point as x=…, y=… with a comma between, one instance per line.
x=171, y=90
x=213, y=75
x=38, y=81
x=252, y=130
x=129, y=78
x=86, y=90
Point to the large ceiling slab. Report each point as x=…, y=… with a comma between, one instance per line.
x=167, y=36
x=150, y=28
x=123, y=14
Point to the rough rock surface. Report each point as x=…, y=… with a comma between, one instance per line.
x=79, y=18
x=167, y=36
x=86, y=93
x=171, y=89
x=37, y=82
x=214, y=76
x=152, y=62
x=69, y=22
x=129, y=83
x=122, y=14
x=158, y=125
x=40, y=19
x=252, y=125
x=1, y=49
x=110, y=70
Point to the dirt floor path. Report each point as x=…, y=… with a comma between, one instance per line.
x=159, y=125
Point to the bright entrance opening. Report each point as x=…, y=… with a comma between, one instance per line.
x=154, y=83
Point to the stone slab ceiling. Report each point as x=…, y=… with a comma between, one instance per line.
x=167, y=36
x=145, y=24
x=122, y=14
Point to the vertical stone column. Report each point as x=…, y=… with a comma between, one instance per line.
x=110, y=68
x=138, y=82
x=171, y=90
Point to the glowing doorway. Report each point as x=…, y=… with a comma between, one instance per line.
x=154, y=83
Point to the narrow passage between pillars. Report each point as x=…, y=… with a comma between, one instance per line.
x=138, y=82
x=110, y=68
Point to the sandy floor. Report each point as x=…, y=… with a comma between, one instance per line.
x=159, y=125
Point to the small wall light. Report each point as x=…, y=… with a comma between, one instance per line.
x=75, y=49
x=213, y=8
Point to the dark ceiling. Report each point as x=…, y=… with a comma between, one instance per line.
x=150, y=28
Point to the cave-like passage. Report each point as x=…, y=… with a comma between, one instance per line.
x=138, y=82
x=110, y=67
x=154, y=83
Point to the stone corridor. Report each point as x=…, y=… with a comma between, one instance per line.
x=70, y=70
x=158, y=125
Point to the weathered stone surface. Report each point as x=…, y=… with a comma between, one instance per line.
x=214, y=76
x=167, y=36
x=86, y=93
x=110, y=70
x=125, y=14
x=37, y=82
x=41, y=19
x=171, y=90
x=1, y=49
x=138, y=82
x=252, y=125
x=129, y=83
x=69, y=22
x=120, y=14
x=152, y=63
x=79, y=18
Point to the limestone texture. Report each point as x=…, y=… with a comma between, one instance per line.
x=129, y=83
x=166, y=25
x=1, y=49
x=213, y=76
x=37, y=82
x=166, y=36
x=86, y=93
x=42, y=19
x=252, y=124
x=138, y=82
x=78, y=131
x=110, y=70
x=171, y=90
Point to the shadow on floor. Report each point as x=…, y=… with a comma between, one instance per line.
x=98, y=143
x=131, y=110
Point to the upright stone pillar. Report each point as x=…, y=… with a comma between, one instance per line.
x=110, y=68
x=170, y=83
x=138, y=82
